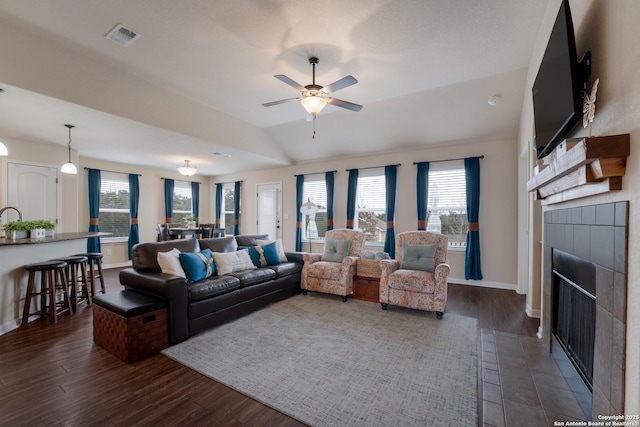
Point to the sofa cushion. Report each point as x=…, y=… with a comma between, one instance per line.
x=145, y=255
x=286, y=268
x=213, y=287
x=229, y=262
x=251, y=277
x=335, y=250
x=250, y=240
x=325, y=270
x=219, y=244
x=170, y=263
x=197, y=265
x=418, y=257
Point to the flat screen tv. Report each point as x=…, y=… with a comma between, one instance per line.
x=559, y=86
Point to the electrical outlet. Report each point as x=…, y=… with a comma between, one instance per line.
x=108, y=252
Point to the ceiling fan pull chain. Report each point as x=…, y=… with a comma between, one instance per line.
x=314, y=130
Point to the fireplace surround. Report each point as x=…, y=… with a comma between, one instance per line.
x=597, y=234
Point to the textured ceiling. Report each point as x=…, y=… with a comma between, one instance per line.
x=425, y=68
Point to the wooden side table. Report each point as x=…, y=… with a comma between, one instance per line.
x=366, y=288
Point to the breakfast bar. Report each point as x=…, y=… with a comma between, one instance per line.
x=15, y=254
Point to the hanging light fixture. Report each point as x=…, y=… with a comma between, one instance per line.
x=69, y=167
x=187, y=169
x=313, y=103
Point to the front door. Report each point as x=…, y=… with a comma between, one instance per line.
x=269, y=209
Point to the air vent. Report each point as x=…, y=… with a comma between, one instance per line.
x=122, y=35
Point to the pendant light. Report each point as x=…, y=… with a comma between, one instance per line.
x=69, y=167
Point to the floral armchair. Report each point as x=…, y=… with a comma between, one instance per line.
x=407, y=283
x=331, y=274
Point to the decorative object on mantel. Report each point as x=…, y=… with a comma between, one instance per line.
x=187, y=169
x=69, y=167
x=593, y=166
x=589, y=107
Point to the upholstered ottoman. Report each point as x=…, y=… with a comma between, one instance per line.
x=130, y=325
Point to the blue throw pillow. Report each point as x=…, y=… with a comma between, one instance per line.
x=419, y=257
x=336, y=250
x=256, y=254
x=197, y=265
x=271, y=255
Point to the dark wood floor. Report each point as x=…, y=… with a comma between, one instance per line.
x=54, y=375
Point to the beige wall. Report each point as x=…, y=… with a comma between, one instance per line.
x=609, y=29
x=498, y=206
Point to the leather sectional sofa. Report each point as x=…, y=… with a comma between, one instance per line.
x=195, y=307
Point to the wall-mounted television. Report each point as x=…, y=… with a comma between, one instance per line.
x=559, y=86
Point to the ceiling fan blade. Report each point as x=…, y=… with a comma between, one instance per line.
x=282, y=101
x=290, y=82
x=340, y=84
x=344, y=104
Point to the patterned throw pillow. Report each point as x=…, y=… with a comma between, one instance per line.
x=279, y=248
x=263, y=255
x=197, y=265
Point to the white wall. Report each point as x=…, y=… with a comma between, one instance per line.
x=498, y=205
x=610, y=30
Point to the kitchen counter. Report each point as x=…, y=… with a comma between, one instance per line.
x=15, y=254
x=58, y=237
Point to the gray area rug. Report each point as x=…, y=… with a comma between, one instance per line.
x=329, y=363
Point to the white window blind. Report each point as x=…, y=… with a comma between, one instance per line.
x=371, y=215
x=114, y=204
x=315, y=190
x=447, y=202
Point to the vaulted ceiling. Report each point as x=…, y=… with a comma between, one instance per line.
x=194, y=82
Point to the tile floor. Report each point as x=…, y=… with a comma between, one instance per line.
x=525, y=385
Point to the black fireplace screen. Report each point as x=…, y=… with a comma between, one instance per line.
x=574, y=322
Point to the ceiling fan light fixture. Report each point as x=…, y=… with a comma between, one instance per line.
x=187, y=169
x=313, y=104
x=69, y=167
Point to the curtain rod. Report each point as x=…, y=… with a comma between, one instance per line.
x=230, y=182
x=313, y=173
x=450, y=160
x=181, y=180
x=105, y=170
x=375, y=167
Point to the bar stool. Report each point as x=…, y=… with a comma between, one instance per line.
x=95, y=260
x=53, y=282
x=77, y=279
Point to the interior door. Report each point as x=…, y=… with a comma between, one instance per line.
x=269, y=209
x=33, y=189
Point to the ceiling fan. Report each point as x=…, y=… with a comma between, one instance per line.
x=314, y=97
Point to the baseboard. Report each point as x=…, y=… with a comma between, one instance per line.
x=535, y=313
x=117, y=265
x=483, y=283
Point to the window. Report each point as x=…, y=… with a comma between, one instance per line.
x=371, y=209
x=447, y=204
x=182, y=206
x=114, y=204
x=227, y=220
x=315, y=190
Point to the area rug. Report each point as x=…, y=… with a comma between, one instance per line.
x=329, y=363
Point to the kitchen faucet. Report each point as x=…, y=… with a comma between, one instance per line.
x=11, y=207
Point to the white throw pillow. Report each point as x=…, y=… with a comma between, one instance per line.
x=169, y=263
x=279, y=247
x=231, y=262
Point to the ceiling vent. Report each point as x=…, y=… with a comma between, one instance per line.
x=122, y=35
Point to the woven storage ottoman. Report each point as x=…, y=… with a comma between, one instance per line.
x=368, y=268
x=130, y=325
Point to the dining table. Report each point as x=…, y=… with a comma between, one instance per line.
x=183, y=232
